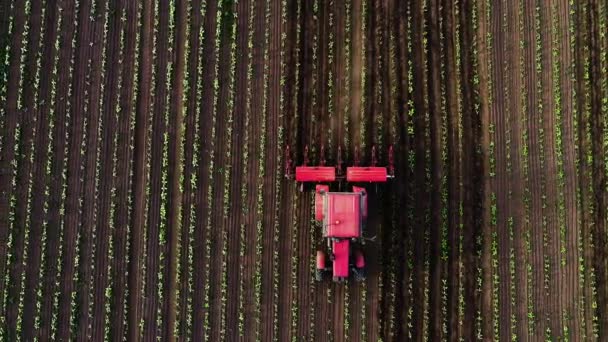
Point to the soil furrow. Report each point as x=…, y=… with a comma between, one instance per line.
x=205, y=118
x=90, y=186
x=140, y=171
x=233, y=224
x=553, y=248
x=517, y=179
x=500, y=182
x=155, y=217
x=419, y=142
x=123, y=176
x=271, y=174
x=55, y=200
x=251, y=217
x=221, y=163
x=74, y=173
x=454, y=170
x=469, y=257
x=436, y=220
x=174, y=174
x=188, y=196
x=534, y=175
x=39, y=176
x=570, y=283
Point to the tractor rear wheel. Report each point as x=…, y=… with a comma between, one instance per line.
x=319, y=275
x=359, y=274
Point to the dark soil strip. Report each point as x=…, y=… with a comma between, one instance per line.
x=598, y=172
x=221, y=164
x=54, y=216
x=481, y=175
x=188, y=197
x=318, y=133
x=402, y=149
x=422, y=195
x=570, y=282
x=454, y=170
x=90, y=168
x=273, y=63
x=251, y=217
x=199, y=248
x=27, y=119
x=74, y=174
x=174, y=195
x=470, y=260
x=354, y=129
x=7, y=134
x=553, y=249
x=155, y=217
x=140, y=170
x=123, y=175
x=500, y=182
x=243, y=9
x=436, y=220
x=517, y=179
x=39, y=177
x=534, y=176
x=584, y=170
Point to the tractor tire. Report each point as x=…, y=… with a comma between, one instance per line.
x=319, y=275
x=359, y=274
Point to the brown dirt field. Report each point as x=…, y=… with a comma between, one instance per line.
x=142, y=188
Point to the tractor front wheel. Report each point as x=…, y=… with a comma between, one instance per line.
x=320, y=269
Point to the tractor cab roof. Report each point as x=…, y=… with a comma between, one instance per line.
x=342, y=215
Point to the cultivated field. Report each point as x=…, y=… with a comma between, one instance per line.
x=142, y=159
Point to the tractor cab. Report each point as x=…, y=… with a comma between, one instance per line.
x=342, y=215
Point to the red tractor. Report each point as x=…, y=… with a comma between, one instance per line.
x=343, y=214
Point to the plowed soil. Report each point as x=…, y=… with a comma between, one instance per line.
x=143, y=152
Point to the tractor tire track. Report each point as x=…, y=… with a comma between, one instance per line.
x=234, y=222
x=174, y=174
x=534, y=176
x=27, y=119
x=500, y=182
x=57, y=167
x=74, y=173
x=454, y=171
x=470, y=261
x=123, y=176
x=39, y=176
x=356, y=306
x=517, y=176
x=155, y=218
x=11, y=120
x=436, y=162
x=570, y=283
x=140, y=172
x=481, y=173
x=221, y=164
x=271, y=175
x=251, y=218
x=189, y=192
